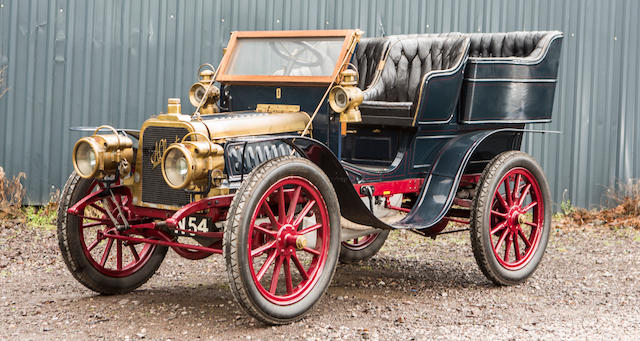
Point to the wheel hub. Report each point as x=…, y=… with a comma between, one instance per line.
x=516, y=218
x=288, y=239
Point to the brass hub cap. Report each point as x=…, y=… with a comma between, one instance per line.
x=301, y=242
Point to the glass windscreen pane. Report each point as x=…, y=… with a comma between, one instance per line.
x=285, y=56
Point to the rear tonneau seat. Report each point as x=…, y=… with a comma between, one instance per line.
x=507, y=77
x=510, y=77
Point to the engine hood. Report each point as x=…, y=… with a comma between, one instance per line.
x=251, y=123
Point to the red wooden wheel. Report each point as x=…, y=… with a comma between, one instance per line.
x=111, y=257
x=360, y=242
x=510, y=218
x=517, y=217
x=102, y=264
x=286, y=257
x=282, y=239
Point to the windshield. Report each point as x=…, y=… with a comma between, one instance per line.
x=284, y=56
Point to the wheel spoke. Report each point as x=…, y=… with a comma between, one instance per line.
x=134, y=253
x=263, y=248
x=287, y=275
x=310, y=229
x=276, y=275
x=93, y=245
x=304, y=212
x=502, y=201
x=282, y=215
x=104, y=221
x=266, y=265
x=516, y=187
x=119, y=255
x=106, y=252
x=508, y=192
x=507, y=248
x=100, y=209
x=524, y=238
x=532, y=224
x=530, y=206
x=91, y=225
x=265, y=230
x=516, y=246
x=267, y=210
x=498, y=227
x=499, y=214
x=312, y=251
x=524, y=194
x=299, y=266
x=293, y=203
x=501, y=240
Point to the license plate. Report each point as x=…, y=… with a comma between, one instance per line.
x=195, y=223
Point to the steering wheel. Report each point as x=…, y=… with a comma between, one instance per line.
x=294, y=57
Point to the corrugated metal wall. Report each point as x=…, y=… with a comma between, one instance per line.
x=88, y=62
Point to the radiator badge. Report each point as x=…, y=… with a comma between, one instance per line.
x=158, y=151
x=156, y=157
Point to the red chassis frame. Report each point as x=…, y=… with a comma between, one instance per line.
x=216, y=209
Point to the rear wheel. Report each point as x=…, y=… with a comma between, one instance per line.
x=282, y=239
x=100, y=263
x=510, y=218
x=362, y=248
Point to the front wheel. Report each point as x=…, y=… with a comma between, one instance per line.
x=102, y=264
x=282, y=239
x=510, y=218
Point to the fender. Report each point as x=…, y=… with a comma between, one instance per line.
x=436, y=195
x=439, y=188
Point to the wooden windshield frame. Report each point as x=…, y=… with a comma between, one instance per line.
x=223, y=77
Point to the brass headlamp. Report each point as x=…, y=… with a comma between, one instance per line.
x=97, y=156
x=198, y=92
x=346, y=97
x=189, y=164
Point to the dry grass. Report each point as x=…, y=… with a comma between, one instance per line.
x=625, y=213
x=11, y=195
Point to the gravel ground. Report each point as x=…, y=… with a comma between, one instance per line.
x=415, y=288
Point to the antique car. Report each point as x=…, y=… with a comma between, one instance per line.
x=309, y=147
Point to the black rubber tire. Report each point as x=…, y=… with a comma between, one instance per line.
x=480, y=212
x=70, y=246
x=240, y=213
x=350, y=256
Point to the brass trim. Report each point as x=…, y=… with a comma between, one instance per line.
x=190, y=165
x=168, y=121
x=277, y=108
x=223, y=77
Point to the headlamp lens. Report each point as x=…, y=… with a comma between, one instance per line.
x=176, y=168
x=85, y=159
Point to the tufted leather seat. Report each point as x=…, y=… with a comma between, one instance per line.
x=369, y=52
x=395, y=91
x=512, y=44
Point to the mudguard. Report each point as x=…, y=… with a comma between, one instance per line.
x=436, y=195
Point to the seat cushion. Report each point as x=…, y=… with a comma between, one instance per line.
x=409, y=60
x=511, y=44
x=368, y=54
x=387, y=113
